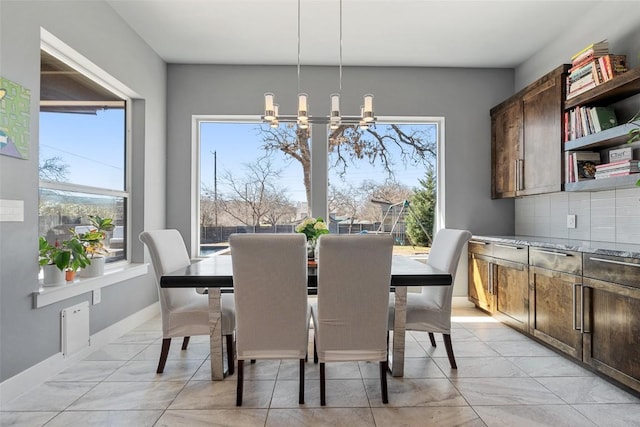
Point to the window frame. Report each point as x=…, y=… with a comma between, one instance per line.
x=55, y=47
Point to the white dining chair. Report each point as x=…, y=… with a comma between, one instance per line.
x=350, y=317
x=270, y=289
x=430, y=310
x=184, y=312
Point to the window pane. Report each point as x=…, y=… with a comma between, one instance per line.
x=86, y=149
x=375, y=180
x=60, y=211
x=248, y=183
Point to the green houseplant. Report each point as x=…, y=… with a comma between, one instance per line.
x=53, y=259
x=93, y=242
x=78, y=257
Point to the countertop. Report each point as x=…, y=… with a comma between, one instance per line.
x=624, y=250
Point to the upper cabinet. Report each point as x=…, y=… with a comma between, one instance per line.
x=526, y=139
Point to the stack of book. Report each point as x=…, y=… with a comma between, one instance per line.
x=583, y=121
x=621, y=168
x=581, y=165
x=593, y=66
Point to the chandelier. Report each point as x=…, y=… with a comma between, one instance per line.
x=334, y=119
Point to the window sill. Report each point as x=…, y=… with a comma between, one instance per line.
x=50, y=295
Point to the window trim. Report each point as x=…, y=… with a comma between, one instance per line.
x=196, y=121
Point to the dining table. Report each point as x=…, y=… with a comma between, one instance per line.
x=216, y=274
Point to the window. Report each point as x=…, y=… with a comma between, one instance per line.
x=256, y=179
x=83, y=146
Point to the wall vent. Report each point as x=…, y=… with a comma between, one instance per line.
x=75, y=328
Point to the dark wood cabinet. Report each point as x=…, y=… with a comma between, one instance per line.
x=611, y=330
x=526, y=139
x=555, y=312
x=498, y=281
x=584, y=305
x=506, y=142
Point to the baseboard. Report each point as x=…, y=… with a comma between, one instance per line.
x=461, y=302
x=43, y=371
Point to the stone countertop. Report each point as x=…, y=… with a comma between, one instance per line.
x=624, y=250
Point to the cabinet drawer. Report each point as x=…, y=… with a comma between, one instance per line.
x=556, y=260
x=624, y=271
x=480, y=247
x=515, y=253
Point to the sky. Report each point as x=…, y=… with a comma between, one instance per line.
x=93, y=148
x=91, y=145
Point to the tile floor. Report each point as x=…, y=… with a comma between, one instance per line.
x=503, y=379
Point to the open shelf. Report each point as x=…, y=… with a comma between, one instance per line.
x=620, y=87
x=613, y=183
x=607, y=138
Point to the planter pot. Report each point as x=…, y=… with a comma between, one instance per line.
x=53, y=276
x=69, y=275
x=95, y=269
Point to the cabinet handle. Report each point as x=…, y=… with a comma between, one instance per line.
x=515, y=248
x=584, y=331
x=520, y=166
x=610, y=261
x=516, y=175
x=540, y=251
x=478, y=242
x=490, y=278
x=575, y=307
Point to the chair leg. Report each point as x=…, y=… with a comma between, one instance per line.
x=301, y=396
x=315, y=351
x=322, y=389
x=240, y=381
x=185, y=343
x=383, y=381
x=166, y=343
x=432, y=339
x=230, y=354
x=449, y=347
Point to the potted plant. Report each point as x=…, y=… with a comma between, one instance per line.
x=93, y=242
x=78, y=257
x=53, y=259
x=312, y=228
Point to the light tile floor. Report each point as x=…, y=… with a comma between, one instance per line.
x=503, y=379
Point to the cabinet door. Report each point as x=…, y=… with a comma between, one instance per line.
x=555, y=312
x=541, y=171
x=612, y=330
x=511, y=289
x=506, y=139
x=479, y=291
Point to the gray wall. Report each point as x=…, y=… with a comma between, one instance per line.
x=462, y=96
x=621, y=28
x=27, y=335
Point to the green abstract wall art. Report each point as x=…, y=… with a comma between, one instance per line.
x=15, y=105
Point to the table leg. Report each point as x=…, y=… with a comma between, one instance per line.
x=215, y=338
x=399, y=326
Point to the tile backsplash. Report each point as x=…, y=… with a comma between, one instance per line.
x=606, y=216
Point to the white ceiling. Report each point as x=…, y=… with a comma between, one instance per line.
x=449, y=33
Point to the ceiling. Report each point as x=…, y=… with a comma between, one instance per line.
x=427, y=33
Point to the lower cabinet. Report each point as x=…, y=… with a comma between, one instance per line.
x=612, y=317
x=582, y=304
x=554, y=310
x=498, y=281
x=510, y=284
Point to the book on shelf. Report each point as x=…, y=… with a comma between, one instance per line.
x=583, y=121
x=630, y=165
x=620, y=155
x=592, y=50
x=611, y=174
x=584, y=165
x=573, y=93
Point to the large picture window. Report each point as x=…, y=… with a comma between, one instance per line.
x=82, y=156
